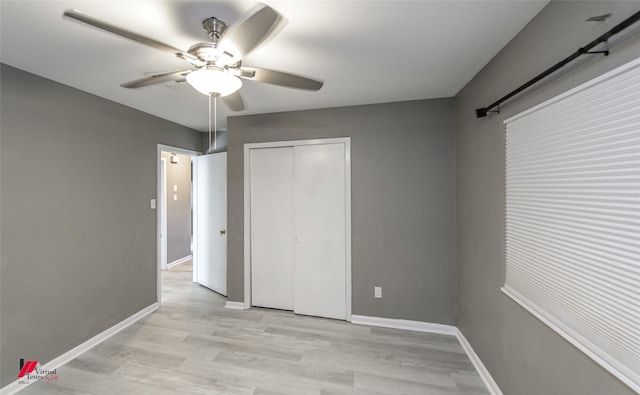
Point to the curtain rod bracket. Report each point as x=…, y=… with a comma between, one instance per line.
x=583, y=51
x=606, y=53
x=482, y=112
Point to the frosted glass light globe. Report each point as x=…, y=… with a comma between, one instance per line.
x=214, y=81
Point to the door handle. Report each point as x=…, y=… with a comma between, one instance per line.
x=223, y=232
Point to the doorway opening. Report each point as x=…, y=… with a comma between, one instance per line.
x=175, y=191
x=199, y=201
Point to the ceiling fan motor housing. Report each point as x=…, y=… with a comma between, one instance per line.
x=208, y=52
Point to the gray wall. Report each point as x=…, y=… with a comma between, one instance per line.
x=78, y=236
x=178, y=211
x=523, y=355
x=222, y=141
x=403, y=204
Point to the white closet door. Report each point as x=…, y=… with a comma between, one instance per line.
x=272, y=227
x=319, y=231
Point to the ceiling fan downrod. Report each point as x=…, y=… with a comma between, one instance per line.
x=215, y=28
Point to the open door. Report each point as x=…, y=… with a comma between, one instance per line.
x=210, y=212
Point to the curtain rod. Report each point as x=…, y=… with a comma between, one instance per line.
x=482, y=112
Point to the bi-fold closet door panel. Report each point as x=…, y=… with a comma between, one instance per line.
x=272, y=227
x=320, y=231
x=298, y=229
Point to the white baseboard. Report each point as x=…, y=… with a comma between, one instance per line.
x=418, y=326
x=441, y=329
x=82, y=348
x=477, y=363
x=179, y=261
x=234, y=305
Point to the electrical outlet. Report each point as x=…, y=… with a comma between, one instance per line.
x=377, y=292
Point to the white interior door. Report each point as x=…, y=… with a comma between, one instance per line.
x=210, y=209
x=272, y=227
x=320, y=230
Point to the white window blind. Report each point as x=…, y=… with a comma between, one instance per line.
x=573, y=217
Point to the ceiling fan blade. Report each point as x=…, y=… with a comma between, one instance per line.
x=234, y=101
x=280, y=78
x=251, y=32
x=156, y=79
x=89, y=20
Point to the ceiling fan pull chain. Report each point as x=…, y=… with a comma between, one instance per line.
x=215, y=123
x=209, y=122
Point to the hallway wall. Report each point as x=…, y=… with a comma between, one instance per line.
x=179, y=228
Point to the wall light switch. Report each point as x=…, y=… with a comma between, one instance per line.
x=175, y=197
x=175, y=188
x=153, y=204
x=377, y=292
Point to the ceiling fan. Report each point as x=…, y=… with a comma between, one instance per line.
x=218, y=63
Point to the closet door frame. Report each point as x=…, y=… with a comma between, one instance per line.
x=346, y=141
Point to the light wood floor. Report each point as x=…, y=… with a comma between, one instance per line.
x=193, y=345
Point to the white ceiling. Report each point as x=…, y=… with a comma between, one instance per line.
x=365, y=51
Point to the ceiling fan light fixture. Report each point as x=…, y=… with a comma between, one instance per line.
x=214, y=81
